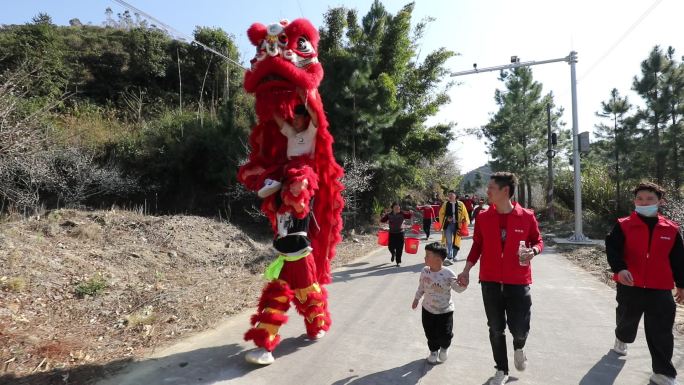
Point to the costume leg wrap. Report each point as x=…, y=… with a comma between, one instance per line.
x=312, y=303
x=273, y=304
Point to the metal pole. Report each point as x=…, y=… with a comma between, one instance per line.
x=549, y=154
x=578, y=236
x=507, y=66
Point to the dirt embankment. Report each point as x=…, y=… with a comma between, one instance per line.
x=83, y=289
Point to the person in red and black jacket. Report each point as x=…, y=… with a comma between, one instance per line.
x=505, y=272
x=395, y=219
x=646, y=254
x=428, y=217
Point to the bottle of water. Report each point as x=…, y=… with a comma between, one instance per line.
x=522, y=249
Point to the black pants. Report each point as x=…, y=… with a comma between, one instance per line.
x=438, y=329
x=506, y=304
x=427, y=223
x=658, y=308
x=396, y=245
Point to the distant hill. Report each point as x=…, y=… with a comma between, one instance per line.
x=475, y=181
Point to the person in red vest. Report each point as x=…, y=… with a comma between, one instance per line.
x=505, y=239
x=646, y=254
x=428, y=217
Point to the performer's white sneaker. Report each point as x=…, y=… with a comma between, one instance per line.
x=259, y=356
x=320, y=334
x=432, y=358
x=270, y=186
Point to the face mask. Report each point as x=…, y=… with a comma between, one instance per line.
x=647, y=211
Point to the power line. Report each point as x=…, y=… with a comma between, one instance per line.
x=176, y=32
x=624, y=35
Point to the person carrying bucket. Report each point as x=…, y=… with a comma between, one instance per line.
x=452, y=216
x=428, y=217
x=395, y=218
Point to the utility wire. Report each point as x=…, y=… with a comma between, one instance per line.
x=176, y=32
x=624, y=35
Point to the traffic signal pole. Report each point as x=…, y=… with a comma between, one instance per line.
x=571, y=59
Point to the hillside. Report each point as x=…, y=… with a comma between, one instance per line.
x=88, y=288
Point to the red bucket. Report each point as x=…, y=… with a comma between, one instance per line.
x=411, y=245
x=415, y=228
x=464, y=232
x=437, y=226
x=383, y=237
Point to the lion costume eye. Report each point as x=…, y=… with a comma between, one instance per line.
x=282, y=39
x=303, y=45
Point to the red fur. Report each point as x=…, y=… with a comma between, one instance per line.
x=256, y=33
x=268, y=149
x=262, y=339
x=273, y=290
x=299, y=27
x=269, y=318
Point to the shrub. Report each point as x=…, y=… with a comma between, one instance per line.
x=91, y=287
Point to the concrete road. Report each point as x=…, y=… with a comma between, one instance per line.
x=377, y=339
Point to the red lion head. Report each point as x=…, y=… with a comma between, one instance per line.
x=286, y=57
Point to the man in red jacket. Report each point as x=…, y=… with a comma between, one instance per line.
x=505, y=273
x=646, y=253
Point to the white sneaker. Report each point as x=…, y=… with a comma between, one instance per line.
x=499, y=378
x=432, y=358
x=620, y=347
x=270, y=186
x=447, y=262
x=520, y=360
x=319, y=335
x=259, y=356
x=443, y=354
x=661, y=379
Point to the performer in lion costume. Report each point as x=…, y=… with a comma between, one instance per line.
x=291, y=166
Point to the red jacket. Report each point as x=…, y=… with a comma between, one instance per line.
x=649, y=259
x=498, y=265
x=428, y=211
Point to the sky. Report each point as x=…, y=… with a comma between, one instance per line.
x=611, y=38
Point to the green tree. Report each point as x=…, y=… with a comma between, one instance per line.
x=614, y=109
x=650, y=87
x=380, y=94
x=517, y=132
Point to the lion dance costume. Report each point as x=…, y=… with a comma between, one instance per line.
x=305, y=214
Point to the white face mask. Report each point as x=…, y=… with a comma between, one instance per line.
x=647, y=211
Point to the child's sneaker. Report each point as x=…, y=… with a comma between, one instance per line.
x=259, y=356
x=520, y=360
x=499, y=378
x=661, y=379
x=432, y=358
x=620, y=347
x=270, y=186
x=443, y=354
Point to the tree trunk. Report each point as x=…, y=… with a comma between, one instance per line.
x=529, y=192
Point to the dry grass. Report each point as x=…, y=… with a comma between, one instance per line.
x=13, y=284
x=165, y=277
x=87, y=232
